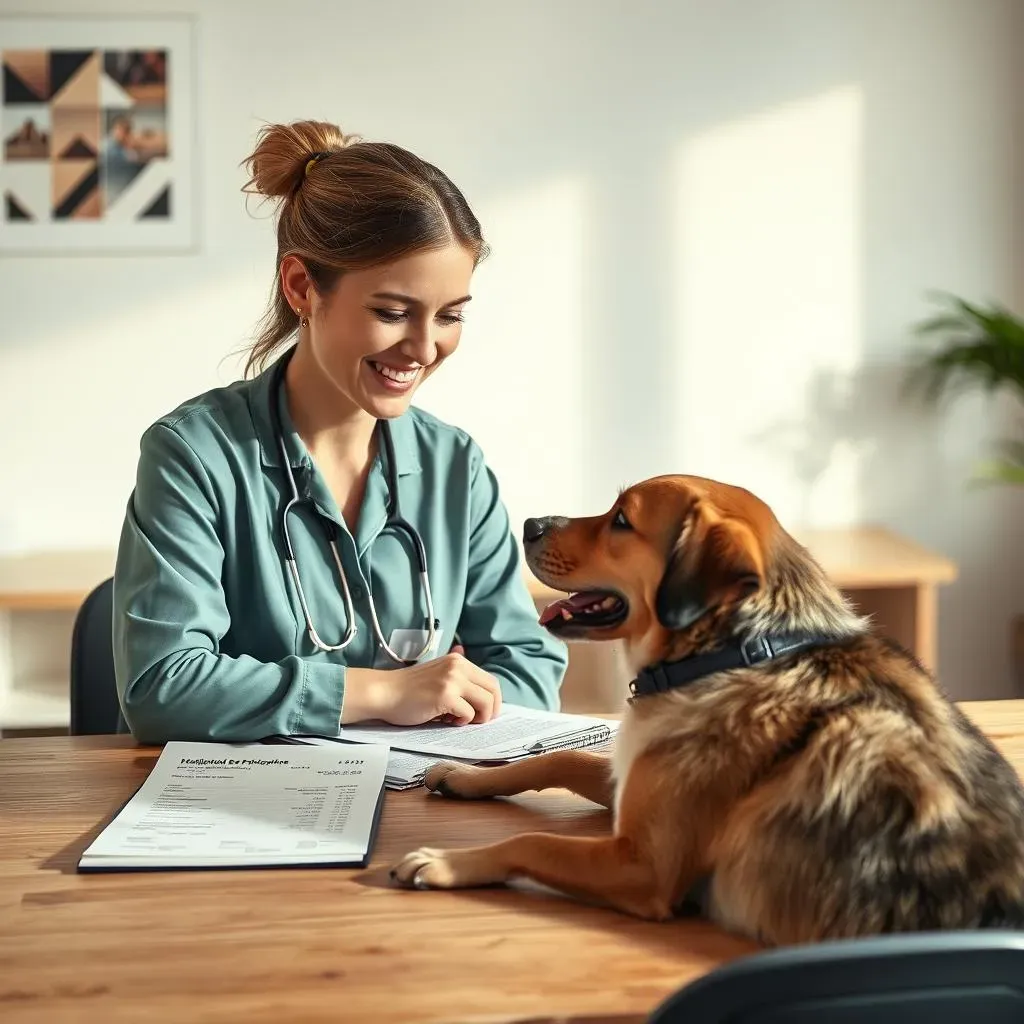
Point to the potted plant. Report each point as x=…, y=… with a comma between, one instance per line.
x=980, y=346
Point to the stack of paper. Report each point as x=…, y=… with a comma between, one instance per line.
x=405, y=770
x=222, y=805
x=516, y=733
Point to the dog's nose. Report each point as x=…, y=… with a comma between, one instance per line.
x=533, y=529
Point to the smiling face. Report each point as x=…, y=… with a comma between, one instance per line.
x=672, y=552
x=382, y=331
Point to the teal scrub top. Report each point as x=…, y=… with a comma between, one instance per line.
x=209, y=638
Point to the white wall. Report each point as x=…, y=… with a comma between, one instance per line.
x=712, y=225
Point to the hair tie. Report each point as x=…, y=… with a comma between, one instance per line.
x=313, y=160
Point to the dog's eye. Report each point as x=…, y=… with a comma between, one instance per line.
x=620, y=522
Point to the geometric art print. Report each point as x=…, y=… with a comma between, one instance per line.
x=92, y=151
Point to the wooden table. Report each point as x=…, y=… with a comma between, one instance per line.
x=304, y=945
x=311, y=945
x=886, y=576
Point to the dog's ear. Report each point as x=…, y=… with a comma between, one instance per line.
x=704, y=573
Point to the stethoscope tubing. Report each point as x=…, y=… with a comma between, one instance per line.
x=394, y=520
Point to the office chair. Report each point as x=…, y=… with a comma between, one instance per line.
x=938, y=977
x=95, y=709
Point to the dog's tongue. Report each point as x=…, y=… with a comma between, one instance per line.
x=570, y=605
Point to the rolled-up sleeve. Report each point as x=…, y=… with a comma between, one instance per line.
x=499, y=625
x=170, y=617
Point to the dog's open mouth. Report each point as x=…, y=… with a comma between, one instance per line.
x=591, y=609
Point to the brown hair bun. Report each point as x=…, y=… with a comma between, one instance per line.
x=278, y=163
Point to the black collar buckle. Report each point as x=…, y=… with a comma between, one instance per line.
x=656, y=680
x=756, y=650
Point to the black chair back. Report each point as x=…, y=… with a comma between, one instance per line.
x=936, y=977
x=95, y=709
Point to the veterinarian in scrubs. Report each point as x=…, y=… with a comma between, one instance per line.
x=218, y=634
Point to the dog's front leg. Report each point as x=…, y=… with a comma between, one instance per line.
x=586, y=774
x=638, y=870
x=608, y=870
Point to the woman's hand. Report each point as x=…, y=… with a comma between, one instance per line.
x=450, y=687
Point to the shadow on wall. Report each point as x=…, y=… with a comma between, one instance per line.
x=856, y=420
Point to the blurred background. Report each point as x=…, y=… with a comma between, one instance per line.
x=715, y=227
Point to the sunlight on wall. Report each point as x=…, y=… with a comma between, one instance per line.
x=769, y=305
x=516, y=384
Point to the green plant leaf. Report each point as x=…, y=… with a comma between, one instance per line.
x=1007, y=468
x=981, y=347
x=996, y=471
x=973, y=346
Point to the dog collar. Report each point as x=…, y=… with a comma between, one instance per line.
x=672, y=675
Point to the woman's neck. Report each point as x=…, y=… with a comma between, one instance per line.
x=335, y=430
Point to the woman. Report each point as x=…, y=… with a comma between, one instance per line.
x=376, y=249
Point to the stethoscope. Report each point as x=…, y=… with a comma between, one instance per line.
x=330, y=528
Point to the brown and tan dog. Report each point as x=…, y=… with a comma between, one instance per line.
x=825, y=790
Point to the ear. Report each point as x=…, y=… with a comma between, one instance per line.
x=296, y=284
x=724, y=567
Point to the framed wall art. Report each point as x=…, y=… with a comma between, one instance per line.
x=97, y=131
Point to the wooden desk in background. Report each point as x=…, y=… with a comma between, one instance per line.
x=886, y=576
x=327, y=944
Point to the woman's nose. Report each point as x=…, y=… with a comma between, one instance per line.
x=421, y=344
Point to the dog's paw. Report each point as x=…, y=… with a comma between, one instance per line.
x=457, y=781
x=427, y=868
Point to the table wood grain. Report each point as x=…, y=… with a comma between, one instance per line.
x=319, y=944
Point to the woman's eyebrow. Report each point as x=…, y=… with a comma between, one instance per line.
x=409, y=300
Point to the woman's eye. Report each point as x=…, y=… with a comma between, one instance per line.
x=396, y=316
x=620, y=522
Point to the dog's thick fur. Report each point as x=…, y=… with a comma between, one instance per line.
x=831, y=793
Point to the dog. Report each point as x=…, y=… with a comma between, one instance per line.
x=804, y=771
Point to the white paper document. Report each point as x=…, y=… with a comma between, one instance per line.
x=516, y=732
x=247, y=805
x=405, y=770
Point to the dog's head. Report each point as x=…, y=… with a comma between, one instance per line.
x=673, y=554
